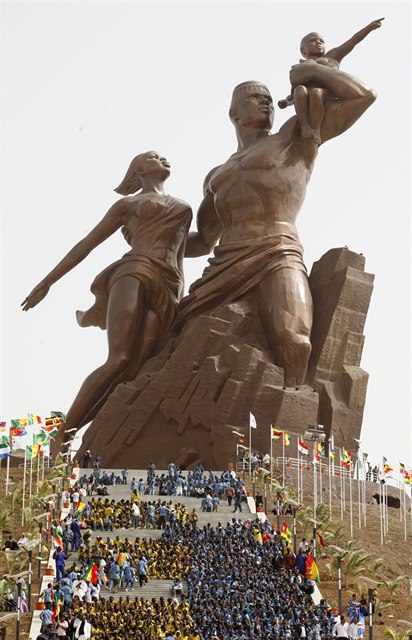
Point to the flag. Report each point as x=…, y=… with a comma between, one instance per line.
x=312, y=571
x=345, y=458
x=34, y=418
x=57, y=539
x=58, y=414
x=18, y=427
x=316, y=456
x=51, y=432
x=386, y=467
x=252, y=421
x=80, y=508
x=286, y=439
x=286, y=533
x=407, y=477
x=32, y=451
x=53, y=423
x=91, y=572
x=276, y=433
x=303, y=448
x=320, y=449
x=402, y=468
x=331, y=450
x=58, y=601
x=322, y=544
x=3, y=428
x=5, y=445
x=41, y=438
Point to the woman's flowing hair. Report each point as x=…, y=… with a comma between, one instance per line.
x=131, y=182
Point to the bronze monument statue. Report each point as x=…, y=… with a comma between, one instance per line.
x=251, y=203
x=241, y=340
x=137, y=296
x=244, y=334
x=312, y=48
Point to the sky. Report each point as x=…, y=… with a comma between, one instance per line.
x=86, y=86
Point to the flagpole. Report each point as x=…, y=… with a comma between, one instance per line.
x=42, y=466
x=250, y=448
x=8, y=472
x=283, y=457
x=24, y=488
x=359, y=495
x=350, y=498
x=330, y=482
x=299, y=479
x=31, y=474
x=320, y=482
x=381, y=511
x=271, y=451
x=38, y=472
x=341, y=486
x=404, y=513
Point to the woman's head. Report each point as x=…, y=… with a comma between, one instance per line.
x=144, y=163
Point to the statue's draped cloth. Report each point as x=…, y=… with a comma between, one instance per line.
x=237, y=268
x=162, y=282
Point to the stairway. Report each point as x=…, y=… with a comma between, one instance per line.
x=157, y=588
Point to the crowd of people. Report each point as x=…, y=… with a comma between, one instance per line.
x=243, y=580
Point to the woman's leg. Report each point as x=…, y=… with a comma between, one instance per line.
x=125, y=317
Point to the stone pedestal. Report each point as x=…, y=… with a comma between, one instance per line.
x=186, y=401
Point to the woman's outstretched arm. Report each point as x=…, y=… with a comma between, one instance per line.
x=113, y=220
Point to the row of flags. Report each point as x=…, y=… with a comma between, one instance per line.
x=319, y=452
x=42, y=431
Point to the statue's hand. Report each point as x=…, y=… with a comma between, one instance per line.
x=35, y=297
x=376, y=24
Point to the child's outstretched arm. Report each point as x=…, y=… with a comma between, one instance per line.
x=338, y=53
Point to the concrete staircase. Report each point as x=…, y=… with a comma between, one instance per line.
x=159, y=588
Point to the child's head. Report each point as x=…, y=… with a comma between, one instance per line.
x=312, y=45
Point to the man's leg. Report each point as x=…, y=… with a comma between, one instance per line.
x=284, y=303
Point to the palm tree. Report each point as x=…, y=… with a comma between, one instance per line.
x=392, y=586
x=356, y=563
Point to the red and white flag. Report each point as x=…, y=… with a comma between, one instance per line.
x=303, y=448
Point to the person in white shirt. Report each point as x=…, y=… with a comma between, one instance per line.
x=354, y=629
x=341, y=629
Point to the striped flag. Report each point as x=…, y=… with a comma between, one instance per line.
x=54, y=423
x=80, y=508
x=91, y=573
x=303, y=448
x=32, y=451
x=3, y=428
x=286, y=533
x=312, y=571
x=33, y=418
x=5, y=446
x=286, y=439
x=276, y=433
x=320, y=449
x=345, y=458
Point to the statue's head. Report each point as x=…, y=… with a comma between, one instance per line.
x=149, y=164
x=312, y=45
x=252, y=106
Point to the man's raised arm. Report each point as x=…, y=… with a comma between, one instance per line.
x=352, y=96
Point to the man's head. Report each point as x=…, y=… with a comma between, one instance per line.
x=251, y=106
